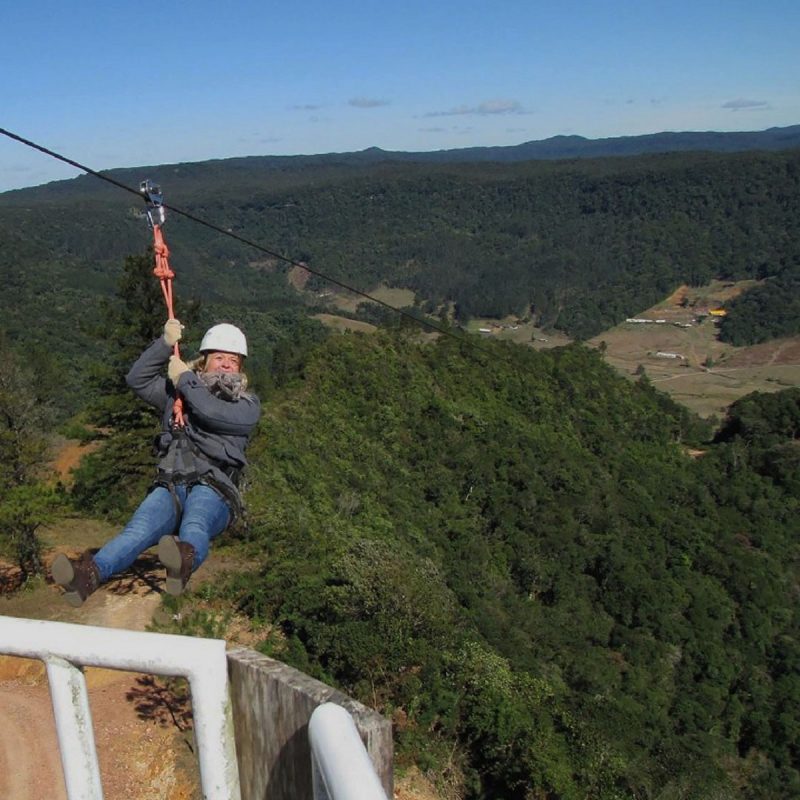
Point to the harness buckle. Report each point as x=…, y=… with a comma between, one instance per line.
x=154, y=202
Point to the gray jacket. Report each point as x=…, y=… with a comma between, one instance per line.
x=218, y=430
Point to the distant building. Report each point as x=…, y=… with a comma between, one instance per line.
x=718, y=312
x=662, y=354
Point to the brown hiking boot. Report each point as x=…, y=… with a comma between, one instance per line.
x=178, y=558
x=79, y=578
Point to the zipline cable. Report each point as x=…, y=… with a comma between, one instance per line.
x=418, y=320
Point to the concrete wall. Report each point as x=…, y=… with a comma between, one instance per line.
x=272, y=704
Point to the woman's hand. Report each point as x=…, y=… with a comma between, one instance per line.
x=173, y=330
x=175, y=369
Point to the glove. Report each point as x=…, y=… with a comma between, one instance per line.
x=173, y=330
x=175, y=369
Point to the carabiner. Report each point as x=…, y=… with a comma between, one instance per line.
x=154, y=202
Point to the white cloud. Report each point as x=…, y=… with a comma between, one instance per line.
x=453, y=129
x=488, y=107
x=259, y=138
x=742, y=103
x=367, y=102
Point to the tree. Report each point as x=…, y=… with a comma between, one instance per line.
x=23, y=509
x=26, y=501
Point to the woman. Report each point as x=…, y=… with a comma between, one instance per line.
x=195, y=494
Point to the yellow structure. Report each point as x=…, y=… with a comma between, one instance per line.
x=718, y=312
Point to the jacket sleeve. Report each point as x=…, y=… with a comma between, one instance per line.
x=146, y=377
x=225, y=417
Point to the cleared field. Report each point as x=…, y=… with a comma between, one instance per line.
x=347, y=301
x=516, y=331
x=344, y=324
x=690, y=363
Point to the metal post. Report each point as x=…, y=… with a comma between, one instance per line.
x=74, y=728
x=213, y=730
x=341, y=767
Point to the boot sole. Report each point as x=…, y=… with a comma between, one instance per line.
x=170, y=556
x=64, y=574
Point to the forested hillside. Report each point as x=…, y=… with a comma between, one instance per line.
x=550, y=578
x=582, y=244
x=558, y=583
x=514, y=555
x=513, y=552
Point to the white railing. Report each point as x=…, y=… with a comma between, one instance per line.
x=66, y=649
x=341, y=767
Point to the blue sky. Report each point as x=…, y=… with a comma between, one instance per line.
x=112, y=84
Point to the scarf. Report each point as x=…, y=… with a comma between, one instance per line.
x=225, y=385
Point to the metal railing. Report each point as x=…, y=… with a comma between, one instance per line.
x=66, y=648
x=340, y=765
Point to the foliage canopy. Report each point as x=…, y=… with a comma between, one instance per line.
x=513, y=552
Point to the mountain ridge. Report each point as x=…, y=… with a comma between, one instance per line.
x=553, y=148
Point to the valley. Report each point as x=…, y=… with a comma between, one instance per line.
x=675, y=343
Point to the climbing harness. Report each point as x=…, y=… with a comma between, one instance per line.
x=155, y=217
x=181, y=463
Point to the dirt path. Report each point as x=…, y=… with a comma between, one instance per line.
x=778, y=352
x=30, y=766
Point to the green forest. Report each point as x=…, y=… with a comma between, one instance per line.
x=556, y=582
x=579, y=245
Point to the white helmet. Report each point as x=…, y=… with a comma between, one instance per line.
x=224, y=338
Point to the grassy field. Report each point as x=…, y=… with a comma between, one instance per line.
x=690, y=363
x=344, y=323
x=518, y=331
x=347, y=301
x=679, y=349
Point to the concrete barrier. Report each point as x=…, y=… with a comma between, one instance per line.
x=272, y=704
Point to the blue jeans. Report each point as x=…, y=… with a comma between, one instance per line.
x=205, y=515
